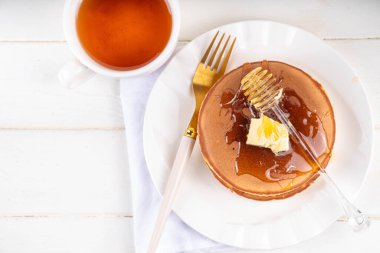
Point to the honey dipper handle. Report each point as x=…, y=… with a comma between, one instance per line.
x=176, y=174
x=356, y=218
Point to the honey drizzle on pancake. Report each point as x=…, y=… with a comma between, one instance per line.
x=260, y=162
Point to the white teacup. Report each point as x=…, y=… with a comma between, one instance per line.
x=77, y=72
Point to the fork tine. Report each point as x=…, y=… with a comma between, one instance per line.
x=221, y=53
x=204, y=58
x=225, y=61
x=215, y=51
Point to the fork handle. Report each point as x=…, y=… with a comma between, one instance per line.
x=171, y=189
x=356, y=218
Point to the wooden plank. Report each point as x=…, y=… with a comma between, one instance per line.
x=66, y=234
x=110, y=234
x=327, y=19
x=31, y=20
x=31, y=95
x=55, y=172
x=41, y=20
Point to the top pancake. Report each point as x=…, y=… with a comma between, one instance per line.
x=261, y=174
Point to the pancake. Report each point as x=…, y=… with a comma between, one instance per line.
x=256, y=172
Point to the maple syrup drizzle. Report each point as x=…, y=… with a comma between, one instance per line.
x=260, y=162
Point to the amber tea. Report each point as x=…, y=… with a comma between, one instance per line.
x=124, y=34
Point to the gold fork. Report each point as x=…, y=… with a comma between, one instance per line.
x=207, y=73
x=264, y=92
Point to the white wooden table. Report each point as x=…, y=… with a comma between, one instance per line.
x=64, y=183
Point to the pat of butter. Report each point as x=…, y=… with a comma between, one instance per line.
x=268, y=133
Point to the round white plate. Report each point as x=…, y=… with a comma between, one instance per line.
x=210, y=208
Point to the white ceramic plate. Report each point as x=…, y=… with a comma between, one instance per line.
x=210, y=208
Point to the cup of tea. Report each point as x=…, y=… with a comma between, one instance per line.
x=118, y=38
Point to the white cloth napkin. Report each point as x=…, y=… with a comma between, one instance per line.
x=177, y=237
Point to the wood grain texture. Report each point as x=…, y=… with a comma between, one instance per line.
x=32, y=97
x=328, y=19
x=37, y=20
x=64, y=181
x=66, y=234
x=40, y=20
x=115, y=235
x=55, y=172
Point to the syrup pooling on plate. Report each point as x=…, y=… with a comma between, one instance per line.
x=260, y=162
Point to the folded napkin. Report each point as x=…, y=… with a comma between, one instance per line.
x=177, y=237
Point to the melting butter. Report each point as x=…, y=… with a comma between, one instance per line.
x=268, y=133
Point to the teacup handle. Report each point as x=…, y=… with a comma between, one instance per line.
x=74, y=73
